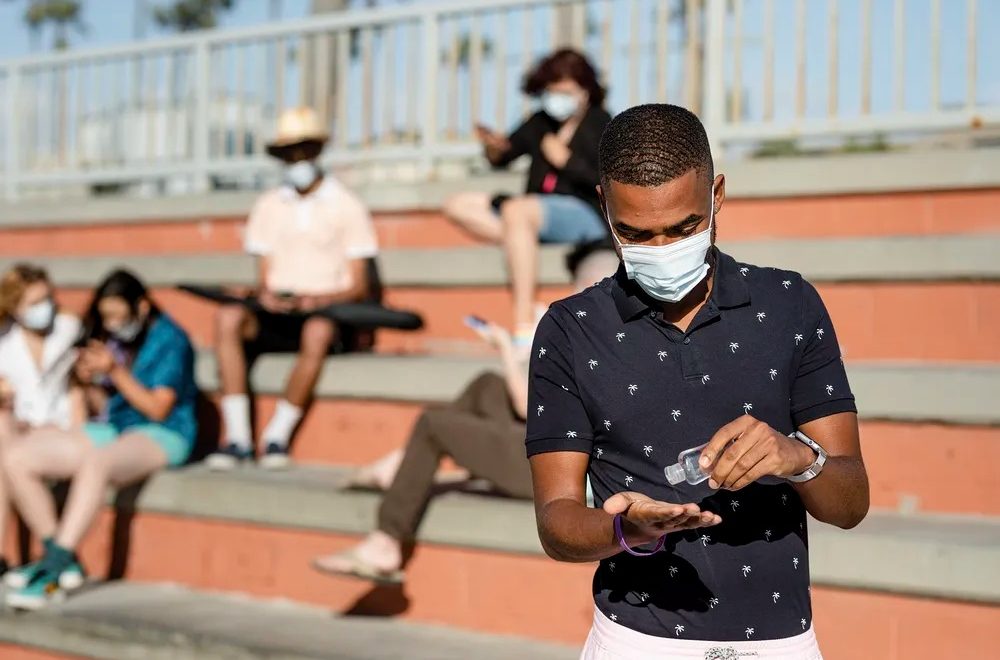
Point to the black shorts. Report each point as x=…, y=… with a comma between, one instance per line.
x=282, y=333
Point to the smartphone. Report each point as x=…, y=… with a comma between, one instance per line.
x=475, y=322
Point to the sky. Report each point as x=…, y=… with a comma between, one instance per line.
x=113, y=22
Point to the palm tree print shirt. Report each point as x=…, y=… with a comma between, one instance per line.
x=613, y=380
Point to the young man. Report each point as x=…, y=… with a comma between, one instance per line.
x=685, y=346
x=313, y=238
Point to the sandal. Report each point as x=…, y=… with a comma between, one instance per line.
x=360, y=569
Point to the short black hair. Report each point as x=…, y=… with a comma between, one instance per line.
x=648, y=145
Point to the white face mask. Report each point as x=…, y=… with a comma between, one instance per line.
x=128, y=332
x=560, y=105
x=302, y=174
x=669, y=272
x=39, y=316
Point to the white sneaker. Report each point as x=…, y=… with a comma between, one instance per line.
x=228, y=458
x=275, y=457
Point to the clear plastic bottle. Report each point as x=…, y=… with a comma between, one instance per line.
x=686, y=468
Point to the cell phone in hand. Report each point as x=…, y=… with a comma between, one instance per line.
x=475, y=322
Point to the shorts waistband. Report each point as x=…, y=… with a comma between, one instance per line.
x=631, y=643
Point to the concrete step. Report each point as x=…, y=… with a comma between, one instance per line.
x=885, y=391
x=161, y=621
x=256, y=532
x=898, y=548
x=882, y=259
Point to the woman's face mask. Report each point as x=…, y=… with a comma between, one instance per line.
x=669, y=272
x=38, y=317
x=560, y=105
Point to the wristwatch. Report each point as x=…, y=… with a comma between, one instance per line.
x=813, y=470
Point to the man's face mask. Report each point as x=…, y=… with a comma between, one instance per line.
x=669, y=272
x=301, y=174
x=560, y=105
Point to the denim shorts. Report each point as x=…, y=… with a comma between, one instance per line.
x=173, y=444
x=568, y=219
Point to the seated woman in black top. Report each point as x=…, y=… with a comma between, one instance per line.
x=560, y=204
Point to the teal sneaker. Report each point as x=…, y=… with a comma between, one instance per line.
x=71, y=578
x=42, y=590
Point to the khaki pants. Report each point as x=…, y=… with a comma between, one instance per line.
x=480, y=432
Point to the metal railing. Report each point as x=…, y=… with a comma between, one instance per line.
x=403, y=87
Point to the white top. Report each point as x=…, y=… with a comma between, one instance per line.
x=41, y=396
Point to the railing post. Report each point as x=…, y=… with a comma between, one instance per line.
x=202, y=120
x=428, y=124
x=12, y=151
x=714, y=100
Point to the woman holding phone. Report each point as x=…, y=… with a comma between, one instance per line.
x=139, y=368
x=560, y=203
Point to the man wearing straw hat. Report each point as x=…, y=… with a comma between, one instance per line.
x=313, y=238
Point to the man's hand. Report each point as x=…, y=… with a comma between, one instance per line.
x=277, y=304
x=646, y=519
x=746, y=449
x=555, y=151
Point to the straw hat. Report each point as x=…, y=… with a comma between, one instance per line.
x=295, y=126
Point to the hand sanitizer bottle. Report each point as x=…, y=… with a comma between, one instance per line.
x=686, y=468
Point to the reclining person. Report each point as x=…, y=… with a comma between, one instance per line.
x=482, y=431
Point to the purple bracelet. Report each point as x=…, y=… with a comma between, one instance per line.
x=624, y=545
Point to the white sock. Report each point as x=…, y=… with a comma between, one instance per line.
x=279, y=429
x=236, y=415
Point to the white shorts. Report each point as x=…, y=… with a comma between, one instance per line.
x=611, y=641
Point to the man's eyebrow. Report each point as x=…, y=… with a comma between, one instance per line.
x=691, y=219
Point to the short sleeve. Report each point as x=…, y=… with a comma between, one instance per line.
x=820, y=388
x=557, y=420
x=360, y=241
x=174, y=359
x=259, y=239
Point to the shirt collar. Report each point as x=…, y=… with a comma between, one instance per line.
x=729, y=288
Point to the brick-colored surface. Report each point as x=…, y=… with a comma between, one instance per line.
x=908, y=464
x=875, y=321
x=485, y=591
x=920, y=213
x=11, y=652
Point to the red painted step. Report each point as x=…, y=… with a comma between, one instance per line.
x=883, y=214
x=875, y=321
x=899, y=455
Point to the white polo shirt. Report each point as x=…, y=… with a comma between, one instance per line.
x=41, y=396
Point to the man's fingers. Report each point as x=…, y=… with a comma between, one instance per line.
x=749, y=462
x=618, y=503
x=759, y=470
x=731, y=456
x=722, y=437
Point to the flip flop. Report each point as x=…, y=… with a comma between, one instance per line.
x=361, y=570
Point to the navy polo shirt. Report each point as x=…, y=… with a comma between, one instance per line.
x=611, y=379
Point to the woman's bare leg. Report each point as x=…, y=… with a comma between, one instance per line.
x=472, y=212
x=42, y=454
x=131, y=458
